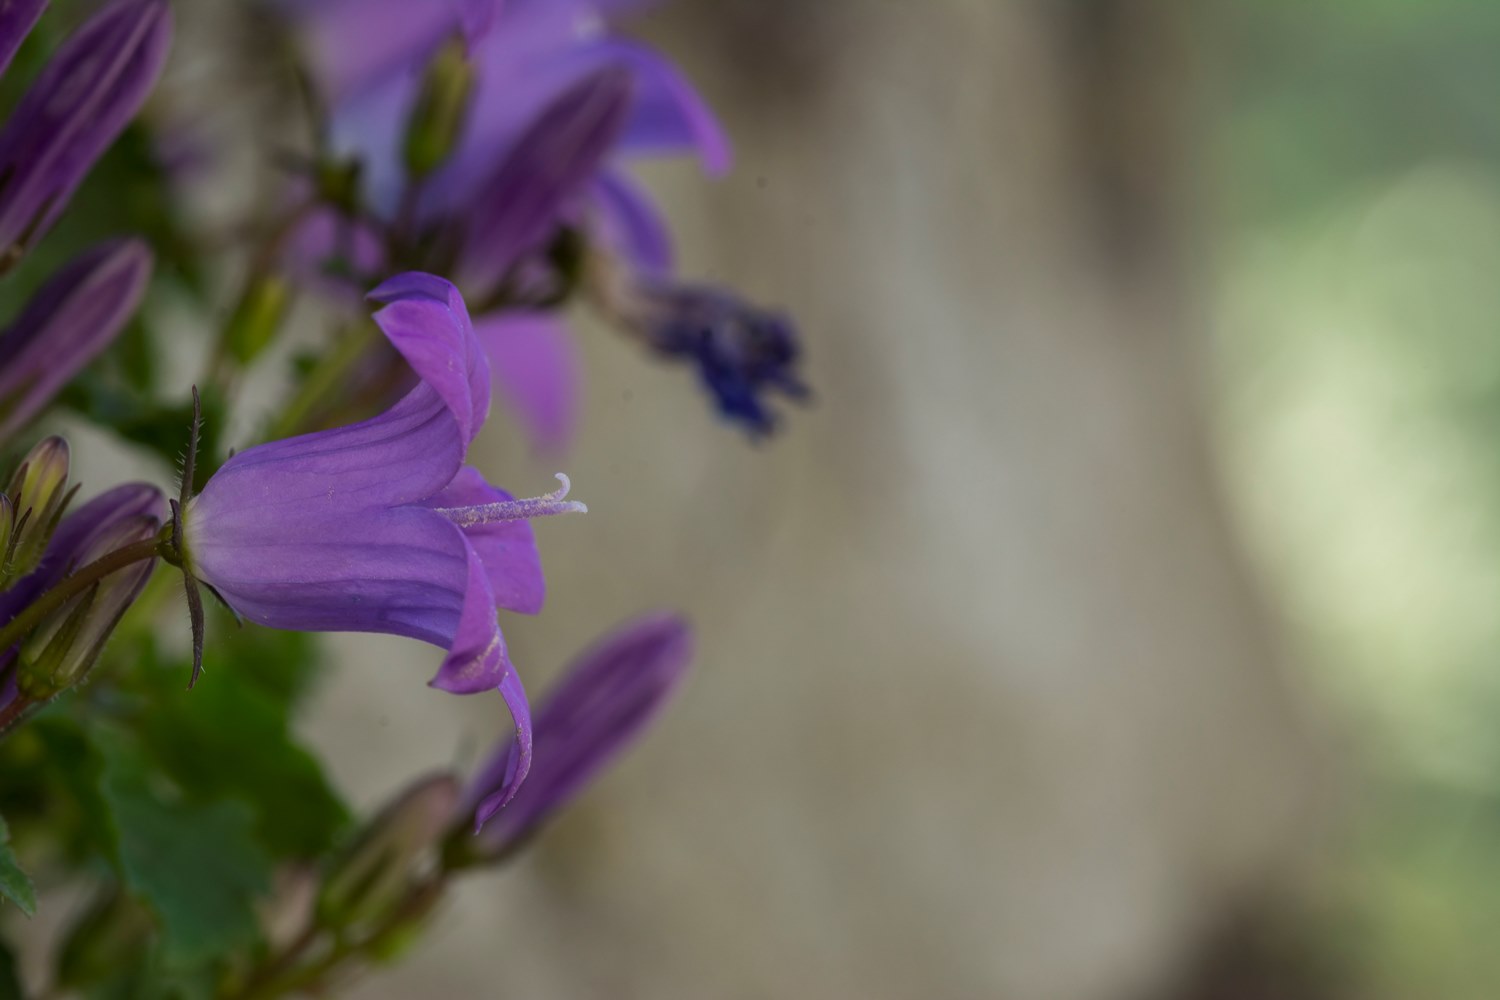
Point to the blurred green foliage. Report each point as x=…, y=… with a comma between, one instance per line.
x=1359, y=353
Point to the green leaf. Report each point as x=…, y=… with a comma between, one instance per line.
x=230, y=737
x=14, y=884
x=196, y=866
x=49, y=782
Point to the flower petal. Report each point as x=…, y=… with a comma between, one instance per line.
x=401, y=456
x=535, y=365
x=631, y=224
x=669, y=115
x=476, y=659
x=514, y=762
x=400, y=571
x=426, y=320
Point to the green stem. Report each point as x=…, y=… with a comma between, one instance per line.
x=16, y=629
x=321, y=382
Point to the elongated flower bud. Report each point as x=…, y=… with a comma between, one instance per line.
x=75, y=109
x=60, y=651
x=552, y=163
x=607, y=700
x=388, y=855
x=38, y=495
x=257, y=317
x=68, y=323
x=17, y=17
x=437, y=118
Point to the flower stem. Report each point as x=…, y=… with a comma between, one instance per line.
x=70, y=586
x=321, y=383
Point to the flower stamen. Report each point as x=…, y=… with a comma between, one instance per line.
x=501, y=511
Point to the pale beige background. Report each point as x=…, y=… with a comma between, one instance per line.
x=987, y=704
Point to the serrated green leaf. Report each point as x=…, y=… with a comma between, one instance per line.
x=227, y=739
x=230, y=737
x=14, y=883
x=197, y=866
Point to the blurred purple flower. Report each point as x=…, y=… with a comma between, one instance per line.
x=379, y=526
x=605, y=702
x=67, y=323
x=560, y=102
x=73, y=111
x=742, y=353
x=17, y=18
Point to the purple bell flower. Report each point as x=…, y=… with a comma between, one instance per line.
x=73, y=111
x=380, y=526
x=67, y=323
x=606, y=701
x=17, y=18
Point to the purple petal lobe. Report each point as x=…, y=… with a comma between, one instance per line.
x=630, y=224
x=536, y=369
x=513, y=763
x=476, y=659
x=669, y=116
x=426, y=320
x=67, y=323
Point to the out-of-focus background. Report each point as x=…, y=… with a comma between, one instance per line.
x=1124, y=618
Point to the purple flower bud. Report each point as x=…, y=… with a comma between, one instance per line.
x=742, y=352
x=75, y=109
x=36, y=498
x=17, y=18
x=62, y=649
x=83, y=535
x=379, y=526
x=550, y=166
x=67, y=323
x=605, y=702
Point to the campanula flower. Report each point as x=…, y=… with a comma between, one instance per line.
x=607, y=699
x=81, y=101
x=380, y=526
x=67, y=323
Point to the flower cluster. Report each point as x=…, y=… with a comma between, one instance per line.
x=494, y=142
x=474, y=157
